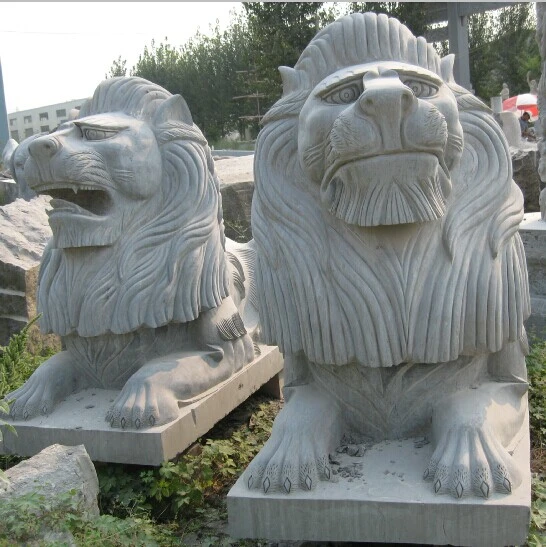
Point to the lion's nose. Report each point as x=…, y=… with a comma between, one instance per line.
x=44, y=147
x=387, y=101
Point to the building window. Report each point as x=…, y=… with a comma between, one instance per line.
x=15, y=135
x=62, y=121
x=29, y=132
x=12, y=121
x=61, y=113
x=44, y=128
x=43, y=116
x=28, y=119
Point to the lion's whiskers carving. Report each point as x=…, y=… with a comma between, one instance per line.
x=365, y=193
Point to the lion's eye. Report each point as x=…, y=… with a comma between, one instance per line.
x=344, y=95
x=421, y=89
x=93, y=134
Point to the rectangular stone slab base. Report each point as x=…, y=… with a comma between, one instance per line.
x=381, y=497
x=80, y=419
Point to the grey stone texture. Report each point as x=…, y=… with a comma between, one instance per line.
x=391, y=274
x=236, y=177
x=138, y=280
x=155, y=307
x=79, y=419
x=533, y=235
x=54, y=471
x=525, y=173
x=24, y=233
x=378, y=498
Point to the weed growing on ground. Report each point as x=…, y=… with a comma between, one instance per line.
x=16, y=363
x=536, y=369
x=183, y=502
x=198, y=481
x=34, y=518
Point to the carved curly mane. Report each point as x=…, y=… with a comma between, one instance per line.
x=456, y=286
x=169, y=265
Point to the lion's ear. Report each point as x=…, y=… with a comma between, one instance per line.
x=290, y=79
x=446, y=66
x=173, y=109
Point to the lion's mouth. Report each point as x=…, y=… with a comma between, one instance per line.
x=389, y=158
x=78, y=199
x=388, y=190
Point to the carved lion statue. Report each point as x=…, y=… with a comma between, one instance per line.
x=138, y=279
x=389, y=268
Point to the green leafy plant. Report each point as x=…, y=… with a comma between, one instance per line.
x=16, y=363
x=25, y=518
x=4, y=409
x=537, y=531
x=536, y=369
x=195, y=485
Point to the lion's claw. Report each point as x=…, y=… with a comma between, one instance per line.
x=295, y=457
x=470, y=461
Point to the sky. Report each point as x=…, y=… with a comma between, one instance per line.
x=52, y=52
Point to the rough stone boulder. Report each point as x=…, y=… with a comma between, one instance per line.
x=525, y=169
x=53, y=472
x=237, y=186
x=24, y=233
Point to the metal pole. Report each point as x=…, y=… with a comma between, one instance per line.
x=458, y=44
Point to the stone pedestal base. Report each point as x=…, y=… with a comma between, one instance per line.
x=381, y=497
x=80, y=419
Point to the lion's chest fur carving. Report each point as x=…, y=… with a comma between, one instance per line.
x=389, y=268
x=392, y=243
x=136, y=278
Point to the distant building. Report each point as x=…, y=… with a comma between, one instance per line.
x=25, y=123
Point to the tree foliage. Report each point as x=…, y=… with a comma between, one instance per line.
x=411, y=14
x=279, y=31
x=205, y=71
x=230, y=78
x=503, y=49
x=118, y=68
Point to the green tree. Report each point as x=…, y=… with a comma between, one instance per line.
x=279, y=31
x=411, y=14
x=503, y=49
x=205, y=71
x=118, y=68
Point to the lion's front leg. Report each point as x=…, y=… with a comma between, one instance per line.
x=152, y=395
x=50, y=383
x=473, y=429
x=296, y=456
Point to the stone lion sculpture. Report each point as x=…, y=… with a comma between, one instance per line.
x=138, y=279
x=389, y=268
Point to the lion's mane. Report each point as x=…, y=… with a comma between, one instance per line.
x=170, y=264
x=344, y=294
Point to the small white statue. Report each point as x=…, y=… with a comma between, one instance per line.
x=533, y=86
x=505, y=92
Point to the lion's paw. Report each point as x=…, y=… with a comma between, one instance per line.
x=141, y=405
x=295, y=457
x=50, y=383
x=471, y=461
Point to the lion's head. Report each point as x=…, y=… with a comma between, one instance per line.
x=385, y=215
x=136, y=214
